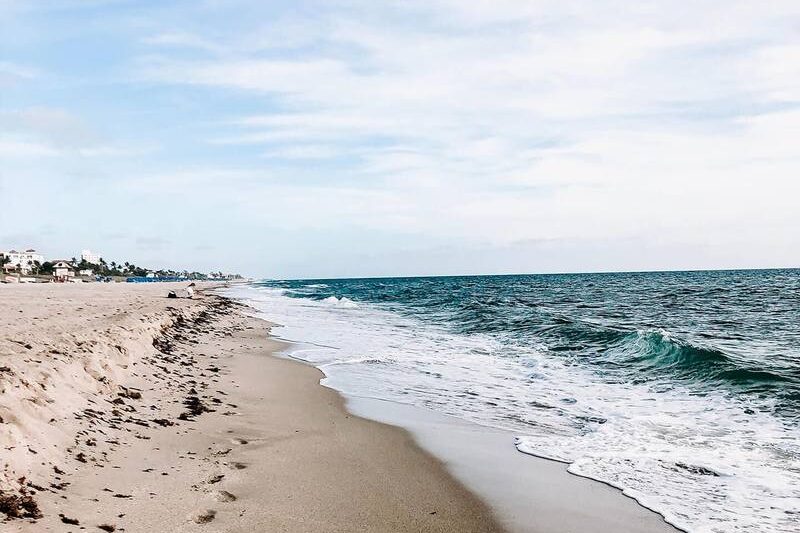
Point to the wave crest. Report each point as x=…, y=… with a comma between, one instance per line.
x=342, y=302
x=656, y=351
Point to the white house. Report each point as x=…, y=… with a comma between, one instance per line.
x=90, y=257
x=23, y=261
x=62, y=271
x=86, y=272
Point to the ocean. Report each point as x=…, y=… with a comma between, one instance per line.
x=680, y=388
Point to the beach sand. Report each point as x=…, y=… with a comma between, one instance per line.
x=277, y=452
x=128, y=411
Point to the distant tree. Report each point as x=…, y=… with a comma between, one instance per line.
x=73, y=261
x=127, y=268
x=46, y=268
x=37, y=266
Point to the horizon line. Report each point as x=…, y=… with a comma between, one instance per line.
x=587, y=273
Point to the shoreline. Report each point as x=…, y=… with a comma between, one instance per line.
x=207, y=433
x=528, y=493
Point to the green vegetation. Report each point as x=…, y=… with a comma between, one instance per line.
x=115, y=269
x=45, y=268
x=128, y=269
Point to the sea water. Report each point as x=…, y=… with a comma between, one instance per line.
x=680, y=388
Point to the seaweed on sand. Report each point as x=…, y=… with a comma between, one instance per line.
x=19, y=504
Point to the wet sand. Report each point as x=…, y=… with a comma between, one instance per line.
x=527, y=493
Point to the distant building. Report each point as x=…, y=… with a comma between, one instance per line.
x=62, y=271
x=86, y=272
x=90, y=257
x=23, y=261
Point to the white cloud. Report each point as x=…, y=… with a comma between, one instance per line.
x=303, y=152
x=775, y=72
x=13, y=73
x=182, y=39
x=19, y=148
x=520, y=121
x=488, y=122
x=45, y=131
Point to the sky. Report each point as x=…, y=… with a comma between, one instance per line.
x=296, y=139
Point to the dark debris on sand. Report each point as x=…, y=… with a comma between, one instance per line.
x=195, y=408
x=68, y=520
x=19, y=504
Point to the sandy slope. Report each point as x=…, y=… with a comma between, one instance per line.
x=65, y=349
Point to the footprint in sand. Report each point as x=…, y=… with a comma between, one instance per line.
x=215, y=478
x=239, y=440
x=204, y=517
x=224, y=496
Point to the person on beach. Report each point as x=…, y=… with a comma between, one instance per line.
x=188, y=292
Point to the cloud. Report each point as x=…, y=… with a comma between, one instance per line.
x=775, y=72
x=480, y=124
x=12, y=74
x=152, y=243
x=522, y=121
x=303, y=152
x=44, y=131
x=181, y=39
x=18, y=148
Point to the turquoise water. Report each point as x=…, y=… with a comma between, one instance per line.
x=682, y=388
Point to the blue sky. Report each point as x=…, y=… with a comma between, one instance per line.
x=349, y=138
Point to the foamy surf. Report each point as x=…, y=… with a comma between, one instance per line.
x=340, y=302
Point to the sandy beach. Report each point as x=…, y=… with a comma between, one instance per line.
x=123, y=410
x=128, y=411
x=460, y=266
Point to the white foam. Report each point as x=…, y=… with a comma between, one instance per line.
x=343, y=302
